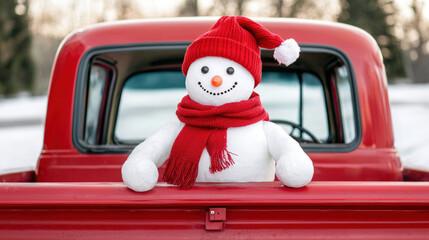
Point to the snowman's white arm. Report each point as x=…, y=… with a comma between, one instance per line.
x=294, y=168
x=157, y=147
x=280, y=144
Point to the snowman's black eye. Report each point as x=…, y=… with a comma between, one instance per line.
x=230, y=71
x=205, y=69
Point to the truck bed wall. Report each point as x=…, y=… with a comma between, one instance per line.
x=322, y=210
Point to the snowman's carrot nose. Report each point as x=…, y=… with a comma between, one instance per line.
x=216, y=81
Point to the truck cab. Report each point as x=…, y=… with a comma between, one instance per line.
x=126, y=87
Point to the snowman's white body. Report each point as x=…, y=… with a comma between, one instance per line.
x=252, y=160
x=260, y=150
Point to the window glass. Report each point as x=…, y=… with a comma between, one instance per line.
x=149, y=100
x=346, y=104
x=315, y=117
x=280, y=95
x=97, y=83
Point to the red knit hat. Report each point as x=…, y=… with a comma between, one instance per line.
x=239, y=39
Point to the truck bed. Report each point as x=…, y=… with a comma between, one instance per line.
x=322, y=210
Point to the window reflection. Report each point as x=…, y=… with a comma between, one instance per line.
x=346, y=104
x=97, y=84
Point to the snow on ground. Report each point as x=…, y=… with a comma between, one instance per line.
x=21, y=127
x=20, y=146
x=22, y=108
x=410, y=114
x=21, y=131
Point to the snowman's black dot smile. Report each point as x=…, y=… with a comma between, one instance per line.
x=219, y=93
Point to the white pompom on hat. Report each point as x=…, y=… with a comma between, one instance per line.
x=288, y=52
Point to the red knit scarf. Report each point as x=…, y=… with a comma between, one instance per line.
x=205, y=127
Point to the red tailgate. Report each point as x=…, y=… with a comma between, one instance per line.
x=322, y=210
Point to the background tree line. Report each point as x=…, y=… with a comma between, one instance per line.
x=29, y=39
x=16, y=63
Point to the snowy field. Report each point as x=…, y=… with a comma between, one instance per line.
x=21, y=131
x=410, y=114
x=21, y=127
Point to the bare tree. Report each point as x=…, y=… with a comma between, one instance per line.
x=292, y=8
x=310, y=9
x=240, y=6
x=227, y=7
x=16, y=63
x=278, y=8
x=189, y=8
x=417, y=41
x=123, y=9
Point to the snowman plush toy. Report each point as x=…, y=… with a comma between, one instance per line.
x=224, y=133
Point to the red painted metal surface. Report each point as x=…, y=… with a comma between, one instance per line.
x=215, y=219
x=329, y=210
x=415, y=175
x=374, y=159
x=18, y=175
x=267, y=194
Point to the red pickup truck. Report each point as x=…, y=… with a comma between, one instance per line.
x=114, y=84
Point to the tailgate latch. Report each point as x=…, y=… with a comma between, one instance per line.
x=215, y=218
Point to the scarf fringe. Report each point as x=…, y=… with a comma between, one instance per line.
x=183, y=174
x=220, y=161
x=220, y=157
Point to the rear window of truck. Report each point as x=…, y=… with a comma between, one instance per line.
x=138, y=90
